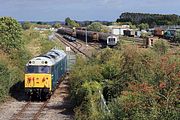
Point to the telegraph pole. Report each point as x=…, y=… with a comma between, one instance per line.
x=86, y=37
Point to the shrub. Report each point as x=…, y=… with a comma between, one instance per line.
x=4, y=80
x=57, y=25
x=10, y=35
x=177, y=37
x=136, y=84
x=161, y=47
x=26, y=25
x=20, y=58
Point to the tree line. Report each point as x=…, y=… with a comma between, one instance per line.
x=151, y=19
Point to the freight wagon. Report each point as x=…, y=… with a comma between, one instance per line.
x=91, y=35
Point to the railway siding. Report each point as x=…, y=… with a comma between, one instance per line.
x=77, y=47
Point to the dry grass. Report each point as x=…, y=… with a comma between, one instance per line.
x=34, y=47
x=3, y=56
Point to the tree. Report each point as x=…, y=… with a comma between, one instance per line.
x=71, y=23
x=133, y=26
x=143, y=26
x=98, y=27
x=57, y=25
x=40, y=23
x=67, y=21
x=11, y=34
x=26, y=25
x=151, y=19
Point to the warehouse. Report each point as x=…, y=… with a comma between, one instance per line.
x=119, y=30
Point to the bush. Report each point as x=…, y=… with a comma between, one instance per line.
x=46, y=45
x=4, y=80
x=177, y=37
x=135, y=83
x=10, y=36
x=161, y=47
x=26, y=25
x=20, y=58
x=143, y=26
x=57, y=25
x=8, y=78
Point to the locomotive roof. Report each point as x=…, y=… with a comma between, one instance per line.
x=112, y=36
x=48, y=59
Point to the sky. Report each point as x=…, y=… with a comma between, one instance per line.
x=58, y=10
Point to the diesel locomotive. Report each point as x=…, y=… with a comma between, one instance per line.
x=44, y=72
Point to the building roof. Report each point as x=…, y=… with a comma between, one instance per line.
x=119, y=27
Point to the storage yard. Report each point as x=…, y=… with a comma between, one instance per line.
x=125, y=69
x=104, y=38
x=59, y=105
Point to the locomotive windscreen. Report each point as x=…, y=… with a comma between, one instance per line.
x=38, y=69
x=111, y=39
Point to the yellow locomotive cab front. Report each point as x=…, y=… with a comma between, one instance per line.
x=38, y=81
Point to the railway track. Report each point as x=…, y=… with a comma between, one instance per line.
x=75, y=48
x=95, y=45
x=92, y=44
x=37, y=110
x=30, y=111
x=78, y=44
x=34, y=110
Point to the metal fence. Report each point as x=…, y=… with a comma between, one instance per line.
x=71, y=60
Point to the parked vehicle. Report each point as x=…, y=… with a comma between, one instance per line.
x=91, y=35
x=71, y=39
x=112, y=40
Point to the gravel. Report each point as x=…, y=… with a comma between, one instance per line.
x=58, y=107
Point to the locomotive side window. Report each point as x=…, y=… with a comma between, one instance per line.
x=38, y=69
